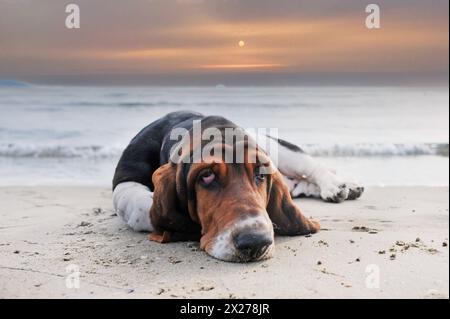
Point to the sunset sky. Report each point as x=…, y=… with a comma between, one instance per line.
x=224, y=41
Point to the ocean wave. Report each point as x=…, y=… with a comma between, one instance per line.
x=58, y=151
x=130, y=104
x=377, y=149
x=337, y=150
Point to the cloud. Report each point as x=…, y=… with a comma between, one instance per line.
x=176, y=36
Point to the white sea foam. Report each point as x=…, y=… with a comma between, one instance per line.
x=58, y=151
x=343, y=150
x=377, y=149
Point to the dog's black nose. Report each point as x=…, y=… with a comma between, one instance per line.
x=252, y=245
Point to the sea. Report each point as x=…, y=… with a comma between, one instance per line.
x=381, y=136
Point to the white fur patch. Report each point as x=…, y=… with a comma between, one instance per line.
x=223, y=247
x=132, y=202
x=301, y=188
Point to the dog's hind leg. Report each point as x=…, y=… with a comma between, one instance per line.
x=301, y=188
x=132, y=202
x=294, y=163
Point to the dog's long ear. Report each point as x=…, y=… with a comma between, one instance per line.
x=285, y=215
x=168, y=213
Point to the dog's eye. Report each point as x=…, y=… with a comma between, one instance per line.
x=207, y=177
x=259, y=178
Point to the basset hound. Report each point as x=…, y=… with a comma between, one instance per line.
x=232, y=205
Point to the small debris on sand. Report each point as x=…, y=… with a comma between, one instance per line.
x=193, y=246
x=435, y=294
x=444, y=244
x=358, y=260
x=402, y=246
x=85, y=224
x=393, y=256
x=360, y=228
x=98, y=211
x=319, y=263
x=323, y=243
x=160, y=292
x=382, y=252
x=294, y=250
x=70, y=234
x=174, y=260
x=326, y=272
x=364, y=229
x=16, y=252
x=352, y=241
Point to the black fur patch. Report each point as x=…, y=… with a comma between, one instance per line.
x=288, y=145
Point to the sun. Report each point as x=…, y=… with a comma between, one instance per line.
x=241, y=44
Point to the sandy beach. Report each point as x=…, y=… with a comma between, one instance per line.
x=392, y=243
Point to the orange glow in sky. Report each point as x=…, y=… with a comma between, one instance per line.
x=158, y=37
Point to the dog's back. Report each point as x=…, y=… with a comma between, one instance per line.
x=143, y=155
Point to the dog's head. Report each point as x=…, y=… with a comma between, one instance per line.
x=231, y=207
